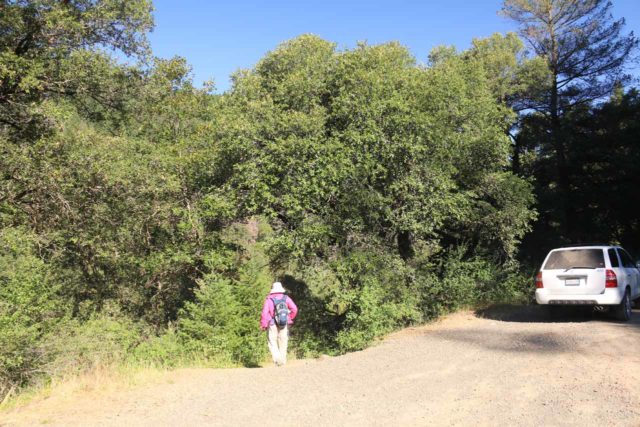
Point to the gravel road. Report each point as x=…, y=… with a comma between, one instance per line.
x=503, y=366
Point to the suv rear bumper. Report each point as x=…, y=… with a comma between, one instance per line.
x=611, y=296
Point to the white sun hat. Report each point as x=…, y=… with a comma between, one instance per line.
x=277, y=288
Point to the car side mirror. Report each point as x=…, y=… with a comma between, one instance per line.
x=638, y=264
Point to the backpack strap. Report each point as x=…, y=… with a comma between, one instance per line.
x=275, y=302
x=278, y=300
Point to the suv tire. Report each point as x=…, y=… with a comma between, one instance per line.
x=623, y=310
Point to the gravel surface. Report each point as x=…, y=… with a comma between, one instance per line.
x=502, y=366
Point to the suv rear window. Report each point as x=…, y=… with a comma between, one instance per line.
x=575, y=258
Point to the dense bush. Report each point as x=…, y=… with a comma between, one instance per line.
x=30, y=307
x=348, y=304
x=75, y=347
x=163, y=351
x=377, y=296
x=221, y=323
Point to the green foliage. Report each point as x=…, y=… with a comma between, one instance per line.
x=220, y=326
x=29, y=307
x=513, y=77
x=76, y=346
x=165, y=350
x=502, y=214
x=380, y=147
x=466, y=282
x=222, y=322
x=602, y=149
x=108, y=210
x=377, y=297
x=48, y=49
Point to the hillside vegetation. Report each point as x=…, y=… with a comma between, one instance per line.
x=143, y=219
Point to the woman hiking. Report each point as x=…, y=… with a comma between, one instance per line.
x=278, y=313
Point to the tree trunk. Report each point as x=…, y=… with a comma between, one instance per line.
x=515, y=160
x=562, y=173
x=556, y=141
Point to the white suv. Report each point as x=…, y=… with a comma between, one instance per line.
x=589, y=275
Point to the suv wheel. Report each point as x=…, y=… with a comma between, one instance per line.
x=623, y=310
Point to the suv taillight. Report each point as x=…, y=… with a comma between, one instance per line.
x=539, y=280
x=611, y=280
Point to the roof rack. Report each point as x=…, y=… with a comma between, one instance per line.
x=577, y=245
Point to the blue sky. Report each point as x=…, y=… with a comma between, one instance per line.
x=217, y=38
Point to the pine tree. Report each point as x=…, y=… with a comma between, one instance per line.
x=586, y=53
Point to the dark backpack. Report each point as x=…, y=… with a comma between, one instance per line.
x=280, y=311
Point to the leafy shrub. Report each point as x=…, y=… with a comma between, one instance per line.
x=29, y=307
x=75, y=347
x=348, y=303
x=165, y=350
x=313, y=332
x=460, y=279
x=222, y=324
x=434, y=299
x=475, y=280
x=510, y=284
x=378, y=297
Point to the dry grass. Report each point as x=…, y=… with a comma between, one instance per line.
x=101, y=380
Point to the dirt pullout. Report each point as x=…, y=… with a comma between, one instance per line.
x=503, y=366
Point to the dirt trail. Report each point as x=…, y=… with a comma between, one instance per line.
x=510, y=366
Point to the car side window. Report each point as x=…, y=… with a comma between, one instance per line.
x=627, y=262
x=613, y=257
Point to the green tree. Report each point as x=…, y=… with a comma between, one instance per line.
x=222, y=322
x=116, y=198
x=516, y=79
x=586, y=53
x=379, y=148
x=383, y=165
x=45, y=45
x=603, y=151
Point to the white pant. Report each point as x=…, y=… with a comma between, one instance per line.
x=278, y=339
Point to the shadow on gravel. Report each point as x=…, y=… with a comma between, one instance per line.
x=542, y=314
x=517, y=342
x=521, y=340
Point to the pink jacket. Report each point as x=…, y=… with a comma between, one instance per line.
x=268, y=310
